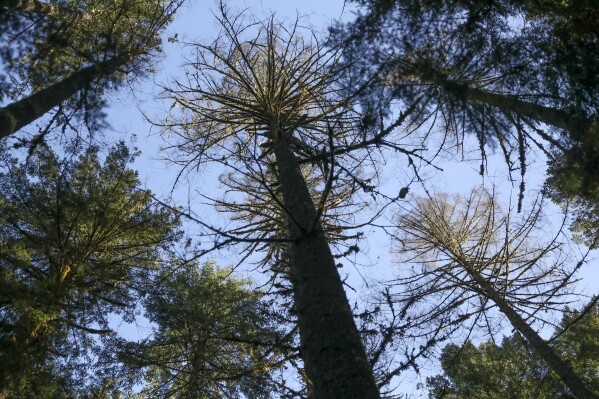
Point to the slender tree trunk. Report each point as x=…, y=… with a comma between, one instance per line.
x=39, y=7
x=577, y=126
x=334, y=357
x=21, y=113
x=561, y=368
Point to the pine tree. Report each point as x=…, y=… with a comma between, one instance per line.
x=473, y=253
x=517, y=74
x=260, y=100
x=512, y=370
x=213, y=337
x=78, y=238
x=69, y=57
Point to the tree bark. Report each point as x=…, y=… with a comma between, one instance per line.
x=334, y=357
x=559, y=366
x=51, y=10
x=21, y=113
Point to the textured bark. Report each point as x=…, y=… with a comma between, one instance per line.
x=333, y=355
x=39, y=7
x=21, y=113
x=558, y=365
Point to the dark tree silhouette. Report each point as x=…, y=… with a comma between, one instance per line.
x=521, y=75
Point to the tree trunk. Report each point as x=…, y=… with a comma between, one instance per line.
x=21, y=113
x=334, y=357
x=39, y=7
x=576, y=125
x=559, y=366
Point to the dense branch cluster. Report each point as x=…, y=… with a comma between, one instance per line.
x=236, y=89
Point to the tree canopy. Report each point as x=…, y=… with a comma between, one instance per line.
x=79, y=239
x=301, y=157
x=516, y=75
x=512, y=370
x=83, y=243
x=214, y=337
x=66, y=56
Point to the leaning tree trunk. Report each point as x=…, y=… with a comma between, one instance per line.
x=40, y=7
x=21, y=113
x=576, y=125
x=557, y=364
x=334, y=357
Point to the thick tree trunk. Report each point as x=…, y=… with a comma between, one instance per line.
x=576, y=125
x=39, y=7
x=21, y=113
x=559, y=366
x=334, y=357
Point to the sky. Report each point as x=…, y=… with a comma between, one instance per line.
x=131, y=109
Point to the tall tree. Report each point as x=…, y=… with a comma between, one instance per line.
x=485, y=45
x=70, y=52
x=19, y=114
x=476, y=258
x=78, y=238
x=512, y=370
x=260, y=98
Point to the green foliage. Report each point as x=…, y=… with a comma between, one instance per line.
x=573, y=184
x=214, y=337
x=46, y=49
x=513, y=370
x=104, y=29
x=537, y=48
x=78, y=237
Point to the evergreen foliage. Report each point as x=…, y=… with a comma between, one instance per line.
x=53, y=44
x=214, y=337
x=515, y=74
x=79, y=238
x=513, y=370
x=303, y=131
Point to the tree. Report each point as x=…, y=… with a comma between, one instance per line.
x=17, y=115
x=52, y=10
x=214, y=337
x=512, y=370
x=516, y=74
x=78, y=238
x=470, y=44
x=78, y=51
x=260, y=100
x=474, y=258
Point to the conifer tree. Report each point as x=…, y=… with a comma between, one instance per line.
x=78, y=238
x=68, y=57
